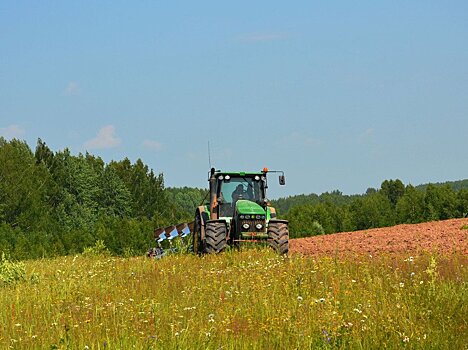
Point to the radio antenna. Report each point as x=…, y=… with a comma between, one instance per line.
x=209, y=154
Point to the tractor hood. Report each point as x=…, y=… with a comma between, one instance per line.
x=247, y=207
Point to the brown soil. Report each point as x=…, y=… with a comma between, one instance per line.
x=439, y=236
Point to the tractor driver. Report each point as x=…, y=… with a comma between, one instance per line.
x=238, y=193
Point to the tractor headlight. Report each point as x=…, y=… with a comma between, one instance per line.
x=257, y=178
x=227, y=178
x=221, y=178
x=260, y=217
x=247, y=216
x=259, y=226
x=242, y=217
x=245, y=226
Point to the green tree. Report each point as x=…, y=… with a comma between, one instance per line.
x=22, y=187
x=440, y=202
x=410, y=207
x=114, y=198
x=462, y=203
x=146, y=188
x=374, y=210
x=393, y=190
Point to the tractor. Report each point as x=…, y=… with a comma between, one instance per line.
x=238, y=211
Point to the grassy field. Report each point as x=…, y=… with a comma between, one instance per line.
x=251, y=299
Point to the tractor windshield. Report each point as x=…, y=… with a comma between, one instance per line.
x=235, y=188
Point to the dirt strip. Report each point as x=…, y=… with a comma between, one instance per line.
x=438, y=236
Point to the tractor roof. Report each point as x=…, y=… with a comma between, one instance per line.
x=238, y=173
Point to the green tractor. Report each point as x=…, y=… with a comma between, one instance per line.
x=238, y=211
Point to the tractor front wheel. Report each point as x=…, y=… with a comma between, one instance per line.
x=278, y=237
x=215, y=237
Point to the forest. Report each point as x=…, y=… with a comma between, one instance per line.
x=56, y=203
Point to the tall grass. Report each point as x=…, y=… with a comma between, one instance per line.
x=251, y=299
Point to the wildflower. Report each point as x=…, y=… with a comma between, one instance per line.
x=299, y=298
x=326, y=335
x=354, y=281
x=405, y=339
x=402, y=284
x=211, y=318
x=322, y=300
x=412, y=274
x=358, y=311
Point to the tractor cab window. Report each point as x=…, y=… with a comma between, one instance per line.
x=230, y=191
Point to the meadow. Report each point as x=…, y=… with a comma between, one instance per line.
x=252, y=299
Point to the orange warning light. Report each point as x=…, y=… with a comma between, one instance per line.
x=265, y=170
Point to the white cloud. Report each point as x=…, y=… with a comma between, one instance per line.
x=72, y=89
x=12, y=131
x=262, y=37
x=152, y=145
x=105, y=138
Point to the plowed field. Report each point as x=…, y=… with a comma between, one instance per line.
x=438, y=236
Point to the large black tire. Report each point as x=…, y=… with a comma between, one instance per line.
x=278, y=237
x=215, y=237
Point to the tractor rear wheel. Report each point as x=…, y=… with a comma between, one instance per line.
x=278, y=237
x=215, y=237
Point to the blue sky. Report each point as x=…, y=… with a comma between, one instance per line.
x=338, y=94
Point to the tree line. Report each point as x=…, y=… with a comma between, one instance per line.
x=56, y=203
x=394, y=203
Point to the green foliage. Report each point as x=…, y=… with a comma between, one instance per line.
x=440, y=203
x=454, y=185
x=56, y=203
x=310, y=220
x=187, y=199
x=374, y=210
x=410, y=208
x=393, y=190
x=98, y=249
x=283, y=205
x=11, y=272
x=392, y=204
x=462, y=203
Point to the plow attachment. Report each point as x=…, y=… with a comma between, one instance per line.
x=171, y=239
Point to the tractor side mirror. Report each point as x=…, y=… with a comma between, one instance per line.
x=282, y=180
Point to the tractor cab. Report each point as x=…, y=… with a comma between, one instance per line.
x=230, y=188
